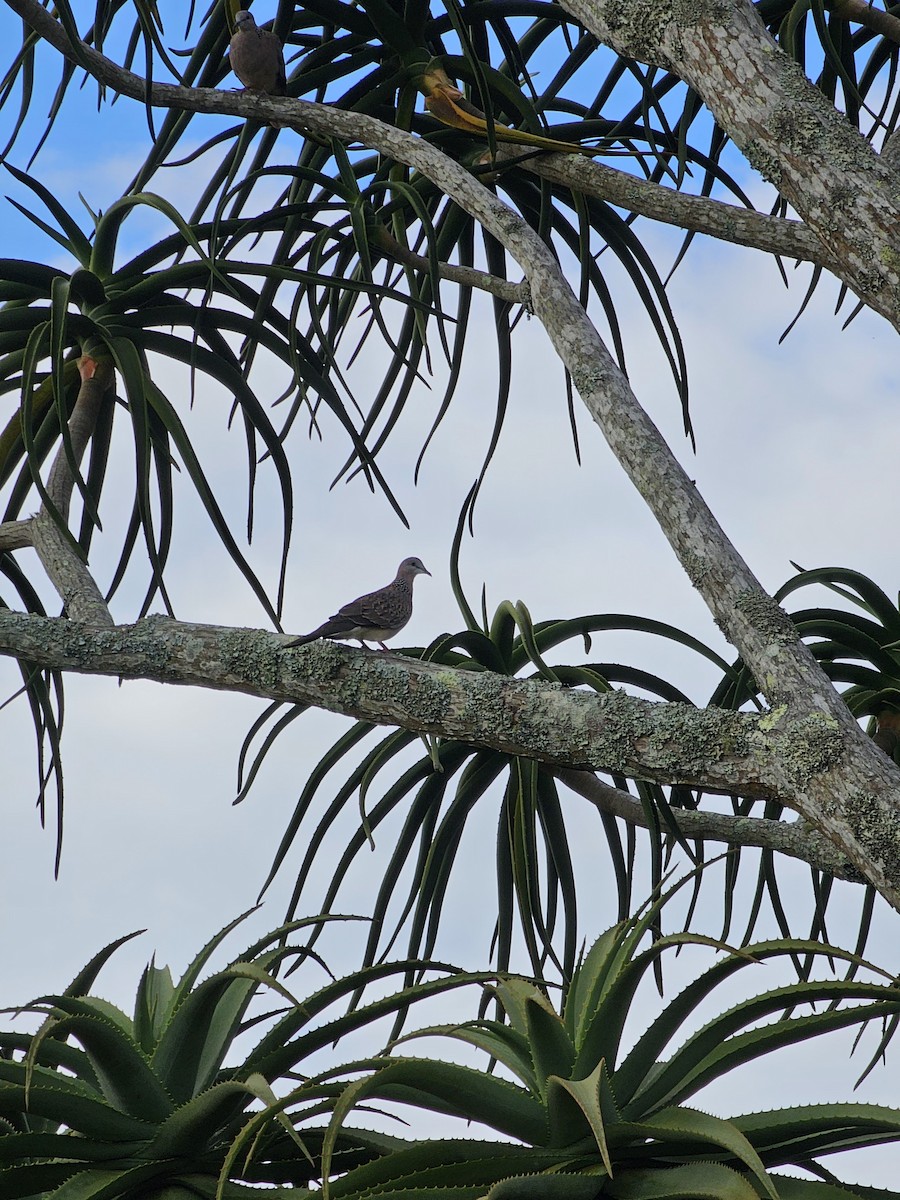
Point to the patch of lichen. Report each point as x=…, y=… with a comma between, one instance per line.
x=431, y=696
x=152, y=639
x=878, y=831
x=637, y=26
x=625, y=720
x=675, y=739
x=686, y=739
x=767, y=617
x=328, y=663
x=696, y=566
x=810, y=745
x=248, y=655
x=693, y=12
x=486, y=704
x=802, y=125
x=763, y=160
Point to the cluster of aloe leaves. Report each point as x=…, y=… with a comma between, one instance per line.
x=99, y=1104
x=589, y=1116
x=169, y=1103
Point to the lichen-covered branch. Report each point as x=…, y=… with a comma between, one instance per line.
x=576, y=732
x=698, y=214
x=15, y=535
x=667, y=743
x=796, y=839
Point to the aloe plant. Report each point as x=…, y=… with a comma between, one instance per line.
x=585, y=1116
x=97, y=1103
x=170, y=1102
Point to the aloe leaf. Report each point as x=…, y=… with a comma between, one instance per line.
x=649, y=1047
x=447, y=1088
x=677, y=1125
x=125, y=1076
x=497, y=1040
x=88, y=973
x=719, y=1048
x=153, y=1004
x=591, y=1101
x=787, y=1135
x=695, y=1181
x=72, y=238
x=553, y=1186
x=68, y=1101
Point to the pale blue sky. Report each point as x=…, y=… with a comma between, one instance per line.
x=796, y=454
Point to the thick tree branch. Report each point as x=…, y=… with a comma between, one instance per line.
x=795, y=839
x=663, y=742
x=699, y=214
x=570, y=730
x=830, y=771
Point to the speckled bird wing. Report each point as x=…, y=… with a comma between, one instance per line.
x=375, y=610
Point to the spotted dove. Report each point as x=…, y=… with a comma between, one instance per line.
x=376, y=616
x=257, y=56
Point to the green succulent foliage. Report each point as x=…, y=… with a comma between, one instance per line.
x=101, y=1104
x=588, y=1117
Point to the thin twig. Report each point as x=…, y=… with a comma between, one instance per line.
x=503, y=289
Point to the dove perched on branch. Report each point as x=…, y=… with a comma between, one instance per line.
x=376, y=616
x=257, y=57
